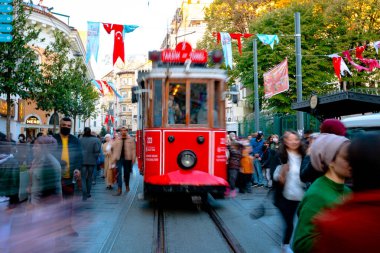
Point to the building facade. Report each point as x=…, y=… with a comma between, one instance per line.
x=26, y=119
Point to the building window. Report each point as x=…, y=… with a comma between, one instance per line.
x=94, y=123
x=124, y=122
x=124, y=108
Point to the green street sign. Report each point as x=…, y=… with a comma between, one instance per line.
x=6, y=18
x=6, y=8
x=4, y=28
x=5, y=37
x=6, y=1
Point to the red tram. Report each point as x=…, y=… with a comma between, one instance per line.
x=181, y=138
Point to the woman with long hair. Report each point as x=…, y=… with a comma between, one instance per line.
x=108, y=171
x=290, y=189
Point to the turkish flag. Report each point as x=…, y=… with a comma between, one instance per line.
x=118, y=44
x=336, y=63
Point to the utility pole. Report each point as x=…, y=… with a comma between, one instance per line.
x=256, y=87
x=300, y=123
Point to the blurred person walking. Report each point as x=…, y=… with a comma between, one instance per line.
x=354, y=225
x=91, y=149
x=108, y=170
x=289, y=188
x=9, y=173
x=45, y=173
x=124, y=156
x=328, y=155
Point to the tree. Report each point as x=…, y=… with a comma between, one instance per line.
x=18, y=61
x=57, y=87
x=83, y=95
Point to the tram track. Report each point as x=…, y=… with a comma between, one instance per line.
x=231, y=240
x=161, y=229
x=159, y=245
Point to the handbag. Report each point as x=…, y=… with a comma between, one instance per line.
x=100, y=159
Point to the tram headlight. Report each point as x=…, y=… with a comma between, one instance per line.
x=186, y=159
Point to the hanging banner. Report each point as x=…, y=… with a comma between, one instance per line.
x=376, y=45
x=118, y=45
x=112, y=86
x=92, y=47
x=276, y=80
x=227, y=48
x=267, y=39
x=98, y=85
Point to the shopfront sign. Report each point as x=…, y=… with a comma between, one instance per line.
x=3, y=108
x=32, y=120
x=21, y=110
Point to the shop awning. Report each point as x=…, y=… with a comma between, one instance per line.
x=339, y=104
x=38, y=126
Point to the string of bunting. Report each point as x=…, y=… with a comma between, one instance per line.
x=226, y=39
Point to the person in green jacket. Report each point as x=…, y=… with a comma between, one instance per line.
x=328, y=154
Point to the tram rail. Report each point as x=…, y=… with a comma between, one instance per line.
x=160, y=243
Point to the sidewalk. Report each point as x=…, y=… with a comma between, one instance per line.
x=99, y=219
x=93, y=220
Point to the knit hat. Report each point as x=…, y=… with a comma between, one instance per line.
x=324, y=149
x=333, y=126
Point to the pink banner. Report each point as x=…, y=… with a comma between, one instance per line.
x=276, y=80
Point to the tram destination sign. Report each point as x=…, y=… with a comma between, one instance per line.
x=183, y=52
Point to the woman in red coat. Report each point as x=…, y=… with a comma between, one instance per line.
x=354, y=226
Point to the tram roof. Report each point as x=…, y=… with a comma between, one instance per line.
x=181, y=72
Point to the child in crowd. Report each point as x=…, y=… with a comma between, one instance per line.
x=246, y=169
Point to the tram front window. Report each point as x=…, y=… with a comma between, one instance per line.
x=198, y=105
x=177, y=104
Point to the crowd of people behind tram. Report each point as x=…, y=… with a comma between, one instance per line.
x=326, y=186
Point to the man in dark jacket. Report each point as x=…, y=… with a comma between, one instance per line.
x=69, y=153
x=91, y=149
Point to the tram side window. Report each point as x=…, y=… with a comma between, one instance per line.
x=217, y=98
x=157, y=103
x=198, y=104
x=177, y=103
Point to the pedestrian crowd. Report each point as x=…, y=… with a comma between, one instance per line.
x=58, y=167
x=325, y=186
x=251, y=162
